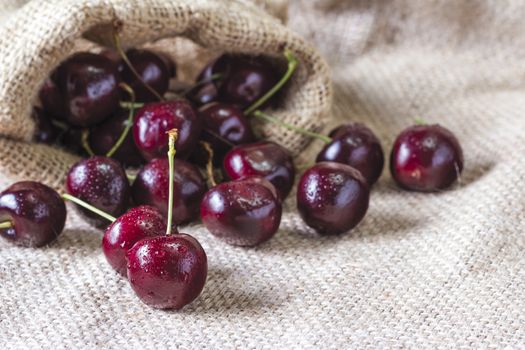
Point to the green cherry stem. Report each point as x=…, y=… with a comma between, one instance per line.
x=209, y=163
x=129, y=121
x=84, y=138
x=131, y=177
x=269, y=118
x=118, y=47
x=88, y=206
x=213, y=77
x=172, y=137
x=6, y=224
x=292, y=64
x=130, y=105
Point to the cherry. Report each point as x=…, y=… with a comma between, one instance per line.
x=244, y=212
x=355, y=145
x=31, y=214
x=51, y=98
x=71, y=139
x=168, y=271
x=151, y=187
x=153, y=71
x=45, y=131
x=103, y=137
x=228, y=123
x=266, y=159
x=426, y=158
x=248, y=79
x=332, y=198
x=101, y=182
x=138, y=223
x=153, y=121
x=88, y=85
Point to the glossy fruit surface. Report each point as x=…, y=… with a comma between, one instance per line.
x=248, y=79
x=332, y=198
x=88, y=84
x=167, y=272
x=138, y=223
x=227, y=122
x=153, y=71
x=37, y=212
x=355, y=145
x=426, y=158
x=153, y=121
x=51, y=98
x=45, y=131
x=266, y=159
x=104, y=136
x=152, y=184
x=244, y=212
x=101, y=182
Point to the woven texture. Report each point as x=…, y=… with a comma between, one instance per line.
x=42, y=33
x=442, y=270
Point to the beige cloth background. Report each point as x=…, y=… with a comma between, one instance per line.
x=440, y=270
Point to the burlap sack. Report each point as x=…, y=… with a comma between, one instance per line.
x=43, y=33
x=422, y=271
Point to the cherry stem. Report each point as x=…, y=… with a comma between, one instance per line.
x=6, y=224
x=85, y=142
x=420, y=121
x=269, y=118
x=118, y=47
x=209, y=164
x=292, y=64
x=172, y=137
x=131, y=177
x=129, y=121
x=88, y=206
x=130, y=105
x=60, y=125
x=213, y=77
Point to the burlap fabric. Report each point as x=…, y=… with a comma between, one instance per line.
x=42, y=33
x=440, y=270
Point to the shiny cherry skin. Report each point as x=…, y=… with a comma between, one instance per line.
x=37, y=212
x=426, y=158
x=227, y=122
x=153, y=70
x=138, y=223
x=206, y=89
x=266, y=159
x=45, y=131
x=248, y=79
x=101, y=182
x=355, y=145
x=154, y=120
x=244, y=212
x=167, y=272
x=51, y=98
x=104, y=136
x=152, y=184
x=332, y=198
x=88, y=84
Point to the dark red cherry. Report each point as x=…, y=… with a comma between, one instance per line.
x=243, y=212
x=152, y=183
x=332, y=197
x=88, y=85
x=71, y=140
x=104, y=136
x=36, y=212
x=167, y=272
x=153, y=71
x=101, y=182
x=128, y=229
x=206, y=89
x=266, y=159
x=248, y=79
x=45, y=131
x=51, y=98
x=426, y=158
x=153, y=121
x=227, y=122
x=355, y=145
